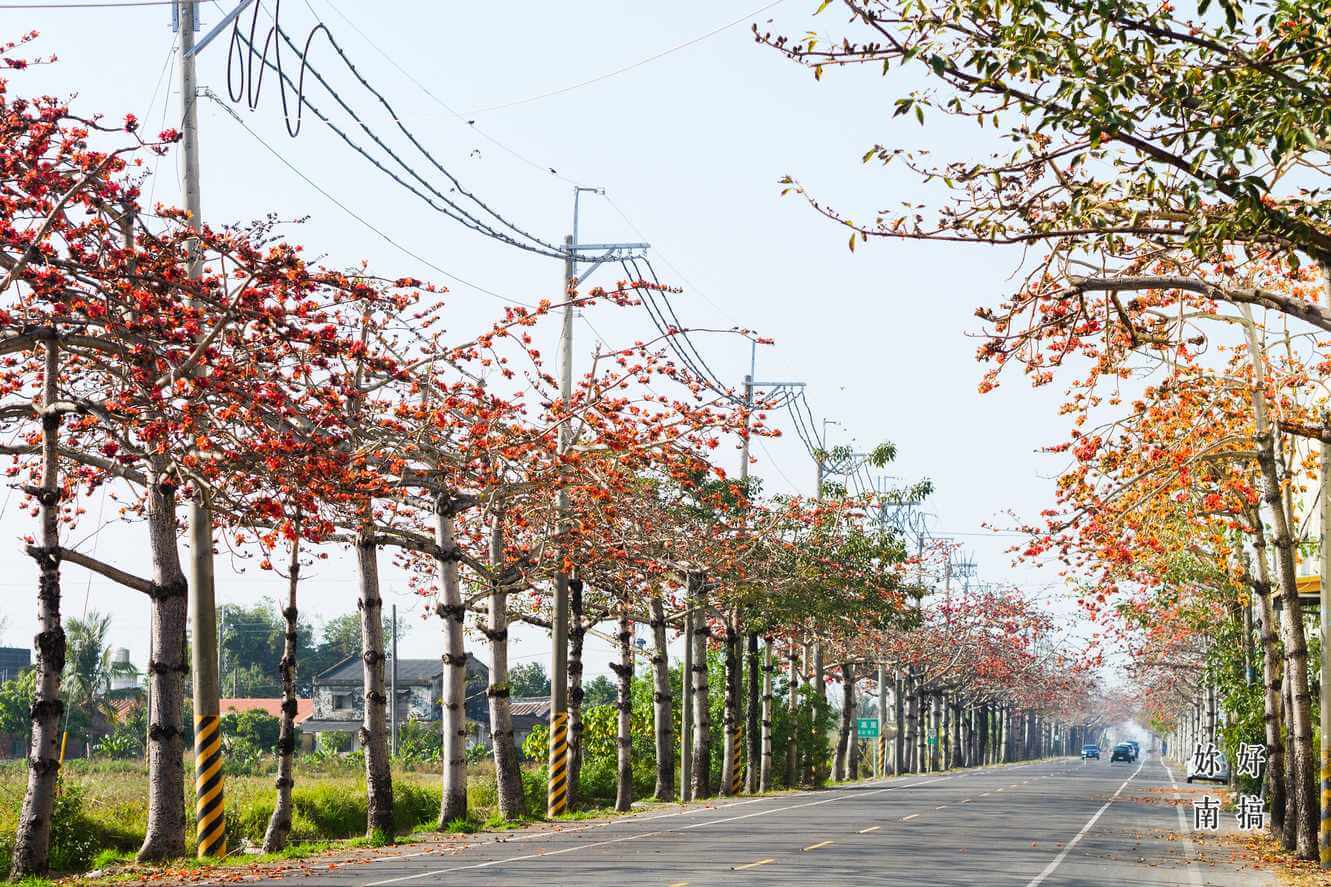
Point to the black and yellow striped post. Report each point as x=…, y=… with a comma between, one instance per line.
x=210, y=806
x=737, y=774
x=882, y=754
x=558, y=793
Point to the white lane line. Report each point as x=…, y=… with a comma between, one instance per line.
x=1194, y=876
x=1049, y=869
x=909, y=818
x=685, y=828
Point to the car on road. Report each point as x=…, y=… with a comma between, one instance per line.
x=1090, y=751
x=1122, y=752
x=1136, y=748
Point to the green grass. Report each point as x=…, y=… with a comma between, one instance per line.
x=101, y=817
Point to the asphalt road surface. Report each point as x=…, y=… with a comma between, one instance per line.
x=1057, y=823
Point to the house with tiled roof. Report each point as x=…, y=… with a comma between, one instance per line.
x=339, y=695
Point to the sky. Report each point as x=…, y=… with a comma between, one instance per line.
x=690, y=148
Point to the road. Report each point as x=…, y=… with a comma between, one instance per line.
x=1055, y=823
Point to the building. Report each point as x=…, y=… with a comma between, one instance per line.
x=125, y=675
x=528, y=711
x=339, y=695
x=13, y=661
x=273, y=707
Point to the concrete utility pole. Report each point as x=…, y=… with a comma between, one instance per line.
x=754, y=744
x=557, y=789
x=210, y=812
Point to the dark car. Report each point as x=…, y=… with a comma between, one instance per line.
x=1090, y=751
x=1122, y=752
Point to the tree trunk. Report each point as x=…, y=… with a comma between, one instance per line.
x=624, y=704
x=279, y=824
x=1290, y=835
x=32, y=842
x=957, y=760
x=881, y=765
x=819, y=769
x=844, y=733
x=165, y=838
x=453, y=797
x=732, y=774
x=663, y=714
x=765, y=769
x=686, y=708
x=577, y=634
x=852, y=741
x=1273, y=779
x=793, y=704
x=1303, y=767
x=754, y=748
x=374, y=729
x=982, y=739
x=702, y=736
x=508, y=775
x=899, y=713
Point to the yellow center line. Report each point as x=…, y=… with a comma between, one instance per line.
x=679, y=884
x=816, y=846
x=909, y=818
x=753, y=865
x=872, y=828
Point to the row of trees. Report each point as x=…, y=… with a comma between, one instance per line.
x=1164, y=171
x=293, y=410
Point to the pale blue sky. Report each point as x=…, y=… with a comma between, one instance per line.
x=690, y=148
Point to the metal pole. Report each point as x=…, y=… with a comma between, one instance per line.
x=392, y=691
x=558, y=788
x=210, y=813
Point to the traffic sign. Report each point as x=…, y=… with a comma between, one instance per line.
x=866, y=728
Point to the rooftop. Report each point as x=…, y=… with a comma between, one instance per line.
x=409, y=671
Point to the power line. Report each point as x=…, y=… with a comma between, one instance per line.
x=544, y=168
x=249, y=87
x=638, y=64
x=346, y=209
x=112, y=5
x=414, y=141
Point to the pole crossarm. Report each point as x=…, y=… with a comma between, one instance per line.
x=216, y=29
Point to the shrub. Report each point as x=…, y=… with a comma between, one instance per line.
x=76, y=836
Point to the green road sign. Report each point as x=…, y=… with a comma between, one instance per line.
x=866, y=728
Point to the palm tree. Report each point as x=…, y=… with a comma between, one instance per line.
x=88, y=668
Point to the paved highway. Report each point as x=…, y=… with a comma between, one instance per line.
x=1056, y=823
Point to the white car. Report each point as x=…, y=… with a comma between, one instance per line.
x=1223, y=777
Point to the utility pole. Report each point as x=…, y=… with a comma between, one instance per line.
x=210, y=812
x=557, y=792
x=557, y=789
x=755, y=739
x=392, y=692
